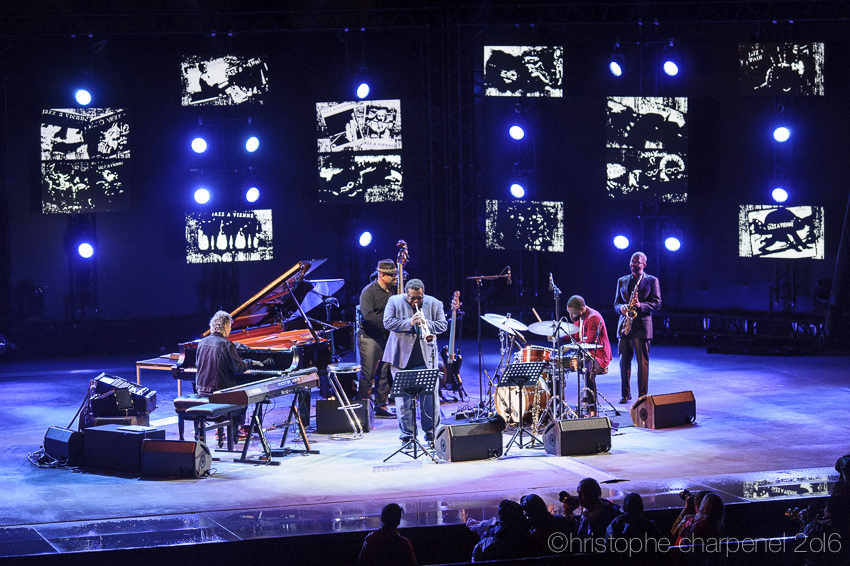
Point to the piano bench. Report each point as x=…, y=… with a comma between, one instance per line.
x=181, y=404
x=218, y=415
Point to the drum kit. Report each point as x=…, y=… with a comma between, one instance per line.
x=536, y=405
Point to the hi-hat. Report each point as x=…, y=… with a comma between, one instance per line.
x=504, y=323
x=550, y=328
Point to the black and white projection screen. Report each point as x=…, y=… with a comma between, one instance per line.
x=222, y=237
x=781, y=68
x=512, y=70
x=223, y=81
x=647, y=148
x=773, y=231
x=356, y=143
x=84, y=159
x=525, y=225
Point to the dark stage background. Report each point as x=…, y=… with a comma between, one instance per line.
x=455, y=156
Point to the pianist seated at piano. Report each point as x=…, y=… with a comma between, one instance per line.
x=218, y=360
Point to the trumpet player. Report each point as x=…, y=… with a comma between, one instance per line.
x=638, y=294
x=414, y=319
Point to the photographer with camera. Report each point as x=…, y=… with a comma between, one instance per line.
x=596, y=515
x=686, y=517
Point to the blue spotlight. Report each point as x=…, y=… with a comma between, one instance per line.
x=516, y=132
x=86, y=250
x=365, y=239
x=202, y=196
x=252, y=194
x=517, y=190
x=781, y=134
x=199, y=145
x=779, y=194
x=672, y=243
x=621, y=241
x=252, y=145
x=616, y=68
x=83, y=97
x=362, y=91
x=671, y=68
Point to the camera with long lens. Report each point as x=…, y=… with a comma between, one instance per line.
x=684, y=494
x=797, y=515
x=568, y=500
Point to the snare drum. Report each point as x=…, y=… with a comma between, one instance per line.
x=570, y=362
x=535, y=354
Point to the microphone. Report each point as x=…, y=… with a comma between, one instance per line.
x=509, y=276
x=551, y=284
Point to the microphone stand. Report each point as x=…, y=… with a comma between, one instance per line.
x=478, y=279
x=559, y=372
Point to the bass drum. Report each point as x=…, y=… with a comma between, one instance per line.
x=509, y=402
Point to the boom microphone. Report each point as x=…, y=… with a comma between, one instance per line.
x=509, y=276
x=551, y=284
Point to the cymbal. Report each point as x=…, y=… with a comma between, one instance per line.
x=549, y=328
x=584, y=346
x=504, y=323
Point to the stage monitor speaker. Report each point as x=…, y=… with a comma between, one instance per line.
x=116, y=448
x=578, y=437
x=665, y=411
x=331, y=420
x=175, y=459
x=65, y=445
x=477, y=441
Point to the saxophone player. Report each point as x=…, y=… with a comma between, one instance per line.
x=638, y=294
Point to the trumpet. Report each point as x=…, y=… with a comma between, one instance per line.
x=631, y=309
x=423, y=325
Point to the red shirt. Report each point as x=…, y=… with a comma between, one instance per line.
x=592, y=331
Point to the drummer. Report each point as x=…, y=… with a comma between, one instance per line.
x=591, y=330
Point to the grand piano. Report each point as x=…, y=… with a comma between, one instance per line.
x=273, y=324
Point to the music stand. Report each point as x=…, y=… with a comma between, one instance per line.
x=414, y=382
x=521, y=374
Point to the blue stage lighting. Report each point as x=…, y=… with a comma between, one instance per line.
x=365, y=239
x=781, y=134
x=672, y=243
x=516, y=132
x=252, y=194
x=671, y=68
x=517, y=190
x=362, y=91
x=86, y=250
x=253, y=144
x=199, y=145
x=616, y=68
x=202, y=196
x=83, y=97
x=779, y=194
x=621, y=242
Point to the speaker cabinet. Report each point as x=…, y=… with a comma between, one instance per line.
x=665, y=411
x=65, y=444
x=577, y=437
x=175, y=459
x=459, y=443
x=331, y=420
x=116, y=448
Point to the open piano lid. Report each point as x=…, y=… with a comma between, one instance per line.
x=274, y=303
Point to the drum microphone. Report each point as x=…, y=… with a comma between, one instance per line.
x=509, y=276
x=551, y=284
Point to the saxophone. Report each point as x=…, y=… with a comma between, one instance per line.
x=631, y=310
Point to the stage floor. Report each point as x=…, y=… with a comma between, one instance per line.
x=766, y=427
